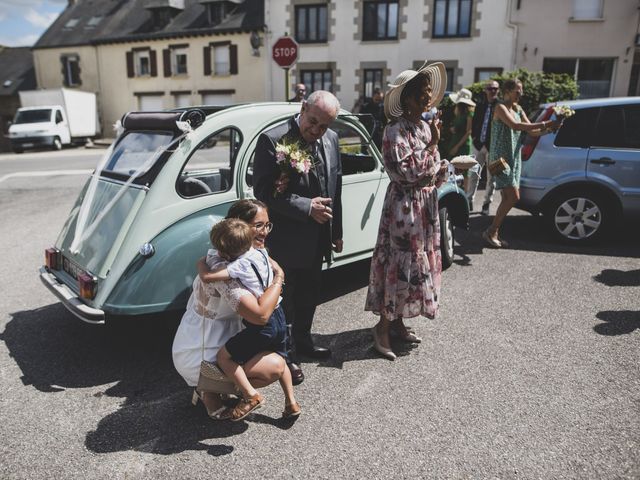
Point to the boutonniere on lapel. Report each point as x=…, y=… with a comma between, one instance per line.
x=291, y=157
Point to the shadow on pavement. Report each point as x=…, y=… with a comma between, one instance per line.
x=617, y=323
x=528, y=232
x=55, y=351
x=619, y=278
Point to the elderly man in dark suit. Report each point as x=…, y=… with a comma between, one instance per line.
x=307, y=215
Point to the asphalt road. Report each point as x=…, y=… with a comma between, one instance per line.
x=531, y=370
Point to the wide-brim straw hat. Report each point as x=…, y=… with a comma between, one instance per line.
x=436, y=72
x=463, y=96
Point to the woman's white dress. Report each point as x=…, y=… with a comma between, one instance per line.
x=215, y=304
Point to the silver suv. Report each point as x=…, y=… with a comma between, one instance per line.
x=585, y=177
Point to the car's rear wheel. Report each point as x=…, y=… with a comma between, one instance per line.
x=446, y=238
x=577, y=217
x=57, y=144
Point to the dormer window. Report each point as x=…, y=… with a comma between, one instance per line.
x=218, y=11
x=163, y=11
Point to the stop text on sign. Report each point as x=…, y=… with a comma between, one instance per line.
x=285, y=52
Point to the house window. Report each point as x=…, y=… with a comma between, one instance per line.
x=450, y=76
x=317, y=80
x=71, y=70
x=380, y=20
x=71, y=23
x=179, y=61
x=372, y=80
x=593, y=75
x=311, y=23
x=221, y=60
x=218, y=11
x=484, y=74
x=587, y=9
x=93, y=22
x=142, y=61
x=452, y=18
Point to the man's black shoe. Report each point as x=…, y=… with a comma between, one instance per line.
x=485, y=209
x=297, y=377
x=313, y=351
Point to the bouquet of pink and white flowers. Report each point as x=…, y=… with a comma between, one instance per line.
x=291, y=157
x=563, y=111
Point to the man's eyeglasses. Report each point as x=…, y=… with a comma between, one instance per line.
x=492, y=89
x=301, y=91
x=263, y=226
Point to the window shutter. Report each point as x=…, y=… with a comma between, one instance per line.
x=130, y=69
x=75, y=72
x=65, y=78
x=153, y=63
x=233, y=59
x=207, y=60
x=166, y=61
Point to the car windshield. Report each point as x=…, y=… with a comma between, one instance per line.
x=136, y=152
x=33, y=116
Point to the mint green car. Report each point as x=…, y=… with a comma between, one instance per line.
x=131, y=241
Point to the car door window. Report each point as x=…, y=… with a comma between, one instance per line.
x=210, y=165
x=355, y=150
x=578, y=130
x=610, y=131
x=58, y=116
x=632, y=126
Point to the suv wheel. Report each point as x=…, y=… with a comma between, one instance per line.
x=577, y=217
x=446, y=238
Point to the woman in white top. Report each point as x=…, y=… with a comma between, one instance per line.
x=222, y=305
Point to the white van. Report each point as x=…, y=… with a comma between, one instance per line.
x=53, y=118
x=39, y=127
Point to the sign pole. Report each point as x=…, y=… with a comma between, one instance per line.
x=286, y=84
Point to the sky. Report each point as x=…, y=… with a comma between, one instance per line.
x=23, y=21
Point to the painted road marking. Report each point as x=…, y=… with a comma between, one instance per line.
x=44, y=174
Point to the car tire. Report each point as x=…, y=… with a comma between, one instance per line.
x=577, y=217
x=57, y=144
x=446, y=238
x=18, y=150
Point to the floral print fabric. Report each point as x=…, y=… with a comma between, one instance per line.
x=406, y=266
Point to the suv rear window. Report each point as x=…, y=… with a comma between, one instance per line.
x=578, y=130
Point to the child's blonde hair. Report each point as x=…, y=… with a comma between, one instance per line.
x=231, y=237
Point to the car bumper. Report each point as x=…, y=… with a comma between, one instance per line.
x=28, y=142
x=70, y=300
x=531, y=195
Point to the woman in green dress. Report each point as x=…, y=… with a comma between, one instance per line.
x=460, y=142
x=509, y=121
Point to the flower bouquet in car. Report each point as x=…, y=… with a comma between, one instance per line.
x=291, y=157
x=563, y=111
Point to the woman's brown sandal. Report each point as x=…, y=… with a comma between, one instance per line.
x=246, y=406
x=291, y=411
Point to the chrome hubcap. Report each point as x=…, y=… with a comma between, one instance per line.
x=578, y=218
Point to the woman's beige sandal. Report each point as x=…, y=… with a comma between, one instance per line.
x=291, y=411
x=246, y=406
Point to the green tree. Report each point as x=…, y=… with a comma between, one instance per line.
x=538, y=87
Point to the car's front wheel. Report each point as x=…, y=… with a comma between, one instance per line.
x=57, y=144
x=446, y=238
x=577, y=217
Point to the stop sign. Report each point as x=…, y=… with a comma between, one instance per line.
x=285, y=52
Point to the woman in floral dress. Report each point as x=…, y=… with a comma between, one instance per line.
x=509, y=121
x=405, y=270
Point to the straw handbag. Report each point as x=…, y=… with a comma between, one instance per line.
x=498, y=166
x=212, y=379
